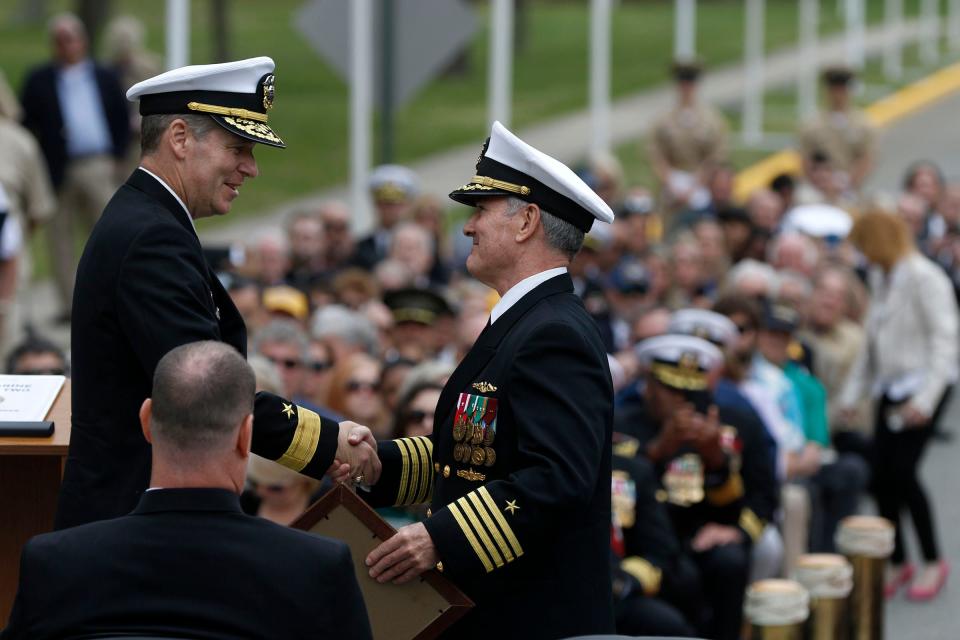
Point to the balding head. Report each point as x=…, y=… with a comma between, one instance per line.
x=202, y=392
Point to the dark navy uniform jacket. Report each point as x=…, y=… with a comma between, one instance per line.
x=518, y=473
x=144, y=288
x=187, y=563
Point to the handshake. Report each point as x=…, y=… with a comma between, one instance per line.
x=356, y=460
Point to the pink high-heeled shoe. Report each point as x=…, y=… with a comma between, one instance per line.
x=922, y=594
x=902, y=578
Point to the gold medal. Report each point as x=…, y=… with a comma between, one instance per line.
x=491, y=456
x=488, y=435
x=477, y=456
x=458, y=431
x=467, y=432
x=477, y=436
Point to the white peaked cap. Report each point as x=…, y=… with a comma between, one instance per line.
x=818, y=221
x=508, y=166
x=703, y=323
x=237, y=95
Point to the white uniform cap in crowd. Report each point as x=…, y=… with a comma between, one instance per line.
x=393, y=183
x=237, y=95
x=680, y=362
x=818, y=221
x=509, y=167
x=706, y=324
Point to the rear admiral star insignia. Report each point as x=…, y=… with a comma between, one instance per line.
x=512, y=506
x=288, y=410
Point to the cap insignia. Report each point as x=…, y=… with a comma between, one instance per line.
x=688, y=362
x=269, y=91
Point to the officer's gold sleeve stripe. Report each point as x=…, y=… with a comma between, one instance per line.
x=482, y=534
x=498, y=516
x=726, y=493
x=416, y=467
x=492, y=528
x=428, y=470
x=426, y=465
x=646, y=573
x=304, y=442
x=472, y=539
x=751, y=523
x=404, y=471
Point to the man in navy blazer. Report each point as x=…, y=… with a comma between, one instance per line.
x=75, y=108
x=187, y=562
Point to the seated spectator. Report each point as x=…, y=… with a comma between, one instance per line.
x=752, y=279
x=393, y=189
x=284, y=343
x=276, y=493
x=285, y=302
x=319, y=369
x=355, y=392
x=305, y=235
x=413, y=247
x=793, y=251
x=416, y=313
x=392, y=378
x=37, y=356
x=354, y=288
x=737, y=231
x=182, y=564
x=246, y=296
x=338, y=244
x=271, y=257
x=344, y=331
x=686, y=274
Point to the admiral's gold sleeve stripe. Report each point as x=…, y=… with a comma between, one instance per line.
x=416, y=468
x=751, y=523
x=304, y=442
x=472, y=539
x=404, y=471
x=726, y=493
x=644, y=571
x=482, y=534
x=498, y=517
x=425, y=446
x=492, y=528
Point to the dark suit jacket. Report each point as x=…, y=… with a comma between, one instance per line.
x=143, y=288
x=519, y=470
x=187, y=563
x=41, y=114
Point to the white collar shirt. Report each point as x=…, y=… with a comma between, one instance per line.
x=522, y=288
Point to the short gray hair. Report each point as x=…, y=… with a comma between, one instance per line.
x=201, y=393
x=350, y=326
x=153, y=126
x=561, y=235
x=284, y=332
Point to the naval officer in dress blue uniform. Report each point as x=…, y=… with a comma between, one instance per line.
x=517, y=470
x=143, y=287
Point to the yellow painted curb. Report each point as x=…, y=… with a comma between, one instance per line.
x=882, y=113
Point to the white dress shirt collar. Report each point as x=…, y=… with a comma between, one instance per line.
x=522, y=288
x=173, y=193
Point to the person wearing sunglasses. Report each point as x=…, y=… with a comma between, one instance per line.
x=37, y=356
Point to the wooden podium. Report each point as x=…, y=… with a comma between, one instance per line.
x=30, y=472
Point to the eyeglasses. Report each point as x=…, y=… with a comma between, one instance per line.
x=362, y=385
x=415, y=415
x=286, y=363
x=317, y=366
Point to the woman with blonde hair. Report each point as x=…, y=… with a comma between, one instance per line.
x=909, y=363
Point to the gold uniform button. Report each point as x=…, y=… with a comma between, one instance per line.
x=436, y=467
x=446, y=471
x=429, y=513
x=440, y=567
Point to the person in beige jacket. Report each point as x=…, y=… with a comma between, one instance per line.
x=909, y=363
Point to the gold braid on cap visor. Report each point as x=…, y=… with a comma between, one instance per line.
x=679, y=377
x=227, y=111
x=500, y=184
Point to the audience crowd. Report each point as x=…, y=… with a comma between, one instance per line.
x=813, y=329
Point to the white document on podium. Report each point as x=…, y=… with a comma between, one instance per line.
x=27, y=398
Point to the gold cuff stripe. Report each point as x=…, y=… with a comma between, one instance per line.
x=493, y=183
x=416, y=465
x=227, y=111
x=482, y=534
x=649, y=575
x=404, y=471
x=305, y=440
x=750, y=523
x=472, y=539
x=498, y=516
x=492, y=528
x=726, y=493
x=425, y=447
